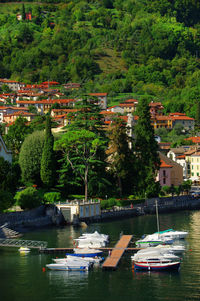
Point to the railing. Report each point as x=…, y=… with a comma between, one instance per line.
x=23, y=243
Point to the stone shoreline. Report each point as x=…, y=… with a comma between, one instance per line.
x=47, y=216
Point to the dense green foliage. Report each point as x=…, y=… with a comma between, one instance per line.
x=52, y=197
x=140, y=47
x=9, y=178
x=30, y=157
x=121, y=159
x=47, y=171
x=16, y=135
x=27, y=198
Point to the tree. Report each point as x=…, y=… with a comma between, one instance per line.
x=88, y=117
x=16, y=135
x=9, y=176
x=47, y=171
x=28, y=198
x=146, y=148
x=197, y=117
x=30, y=157
x=120, y=157
x=23, y=12
x=80, y=148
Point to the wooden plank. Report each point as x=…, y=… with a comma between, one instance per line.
x=117, y=252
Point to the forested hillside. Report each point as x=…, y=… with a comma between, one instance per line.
x=131, y=46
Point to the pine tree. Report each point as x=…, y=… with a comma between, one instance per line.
x=83, y=147
x=146, y=148
x=47, y=171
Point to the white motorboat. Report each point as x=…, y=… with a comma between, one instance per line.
x=153, y=240
x=175, y=249
x=97, y=235
x=154, y=256
x=69, y=266
x=173, y=234
x=89, y=243
x=92, y=260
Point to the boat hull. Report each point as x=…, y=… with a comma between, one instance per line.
x=156, y=267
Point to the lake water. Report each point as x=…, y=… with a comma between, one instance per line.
x=23, y=279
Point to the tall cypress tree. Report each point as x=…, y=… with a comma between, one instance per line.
x=146, y=148
x=121, y=159
x=23, y=12
x=47, y=171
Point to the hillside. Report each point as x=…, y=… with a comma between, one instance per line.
x=130, y=46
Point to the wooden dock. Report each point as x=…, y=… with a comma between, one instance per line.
x=71, y=250
x=112, y=261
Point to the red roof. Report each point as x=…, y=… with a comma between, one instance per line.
x=164, y=164
x=194, y=139
x=98, y=94
x=131, y=101
x=181, y=157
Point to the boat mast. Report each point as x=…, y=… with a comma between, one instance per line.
x=158, y=229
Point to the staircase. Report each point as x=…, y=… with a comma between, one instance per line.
x=6, y=232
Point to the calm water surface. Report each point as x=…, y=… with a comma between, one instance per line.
x=22, y=277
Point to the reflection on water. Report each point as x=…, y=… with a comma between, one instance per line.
x=71, y=278
x=22, y=276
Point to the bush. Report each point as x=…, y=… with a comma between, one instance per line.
x=28, y=198
x=111, y=202
x=6, y=200
x=104, y=204
x=52, y=197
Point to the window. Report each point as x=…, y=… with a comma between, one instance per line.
x=192, y=174
x=164, y=173
x=197, y=173
x=164, y=181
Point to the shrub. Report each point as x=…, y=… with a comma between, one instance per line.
x=28, y=198
x=52, y=197
x=6, y=200
x=104, y=204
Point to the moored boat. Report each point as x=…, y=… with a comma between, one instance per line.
x=69, y=266
x=156, y=266
x=86, y=252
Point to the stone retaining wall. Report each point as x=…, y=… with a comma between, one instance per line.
x=32, y=218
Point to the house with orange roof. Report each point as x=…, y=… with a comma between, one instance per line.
x=9, y=118
x=181, y=118
x=116, y=109
x=128, y=107
x=4, y=152
x=43, y=106
x=160, y=121
x=156, y=109
x=188, y=159
x=170, y=172
x=5, y=110
x=178, y=155
x=195, y=165
x=12, y=84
